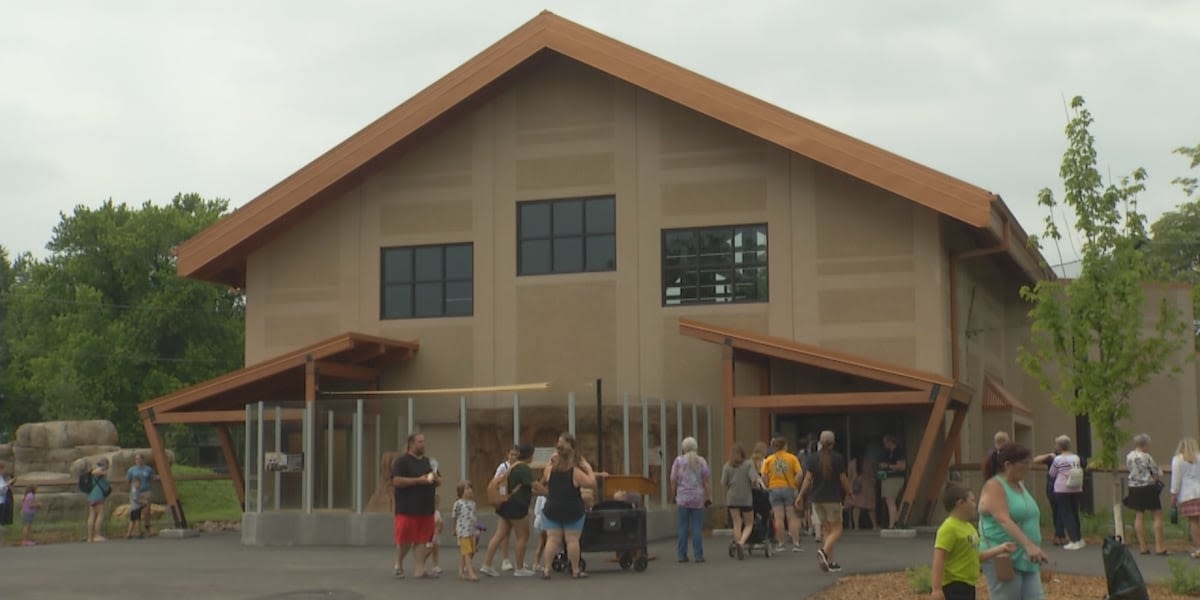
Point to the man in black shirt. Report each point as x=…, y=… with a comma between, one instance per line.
x=414, y=482
x=892, y=474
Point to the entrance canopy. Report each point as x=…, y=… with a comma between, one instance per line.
x=350, y=357
x=883, y=387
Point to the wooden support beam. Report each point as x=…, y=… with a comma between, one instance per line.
x=919, y=463
x=942, y=466
x=727, y=398
x=164, y=472
x=839, y=400
x=231, y=461
x=214, y=417
x=346, y=371
x=764, y=425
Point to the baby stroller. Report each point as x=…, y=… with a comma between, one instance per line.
x=762, y=533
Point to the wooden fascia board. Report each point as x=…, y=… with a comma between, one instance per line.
x=339, y=370
x=700, y=331
x=834, y=400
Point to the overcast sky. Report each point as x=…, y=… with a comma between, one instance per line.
x=137, y=101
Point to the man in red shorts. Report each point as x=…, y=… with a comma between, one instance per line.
x=415, y=483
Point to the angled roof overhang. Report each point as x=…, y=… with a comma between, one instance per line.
x=218, y=253
x=997, y=397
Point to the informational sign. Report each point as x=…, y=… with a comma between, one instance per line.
x=282, y=462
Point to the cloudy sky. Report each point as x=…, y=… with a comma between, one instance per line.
x=137, y=101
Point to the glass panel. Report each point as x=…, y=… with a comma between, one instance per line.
x=397, y=265
x=429, y=263
x=601, y=253
x=535, y=257
x=751, y=284
x=535, y=219
x=459, y=301
x=429, y=300
x=397, y=302
x=679, y=286
x=568, y=217
x=715, y=247
x=568, y=255
x=715, y=286
x=601, y=216
x=459, y=261
x=680, y=246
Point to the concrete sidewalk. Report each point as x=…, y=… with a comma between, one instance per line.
x=218, y=566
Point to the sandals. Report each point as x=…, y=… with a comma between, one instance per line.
x=545, y=574
x=579, y=575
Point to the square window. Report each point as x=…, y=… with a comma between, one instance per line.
x=429, y=263
x=568, y=255
x=535, y=257
x=535, y=220
x=429, y=300
x=397, y=264
x=601, y=253
x=397, y=301
x=568, y=217
x=715, y=264
x=427, y=281
x=459, y=262
x=601, y=215
x=459, y=298
x=574, y=235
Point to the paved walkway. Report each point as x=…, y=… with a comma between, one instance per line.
x=218, y=566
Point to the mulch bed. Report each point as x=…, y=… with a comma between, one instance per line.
x=895, y=585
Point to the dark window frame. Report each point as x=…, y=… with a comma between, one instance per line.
x=730, y=268
x=583, y=236
x=414, y=280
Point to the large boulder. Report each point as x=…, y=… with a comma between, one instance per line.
x=6, y=453
x=30, y=459
x=67, y=434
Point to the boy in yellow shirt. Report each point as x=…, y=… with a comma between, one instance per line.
x=956, y=554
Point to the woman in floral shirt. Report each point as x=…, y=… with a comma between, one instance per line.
x=1145, y=491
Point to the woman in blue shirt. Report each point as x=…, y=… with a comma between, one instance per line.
x=1008, y=513
x=101, y=487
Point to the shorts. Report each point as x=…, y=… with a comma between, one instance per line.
x=828, y=512
x=552, y=525
x=95, y=503
x=27, y=517
x=512, y=511
x=782, y=496
x=539, y=522
x=466, y=546
x=891, y=487
x=741, y=509
x=957, y=590
x=413, y=529
x=135, y=515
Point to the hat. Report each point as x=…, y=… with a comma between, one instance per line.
x=826, y=437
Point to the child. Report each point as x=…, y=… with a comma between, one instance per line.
x=956, y=554
x=432, y=545
x=135, y=507
x=463, y=514
x=539, y=525
x=29, y=508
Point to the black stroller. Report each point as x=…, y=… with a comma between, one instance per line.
x=762, y=533
x=611, y=526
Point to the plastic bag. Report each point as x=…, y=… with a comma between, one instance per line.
x=1124, y=578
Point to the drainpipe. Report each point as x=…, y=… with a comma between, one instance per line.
x=955, y=258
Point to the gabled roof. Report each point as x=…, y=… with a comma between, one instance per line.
x=997, y=397
x=219, y=252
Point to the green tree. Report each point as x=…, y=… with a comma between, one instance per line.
x=1189, y=184
x=1175, y=240
x=104, y=323
x=1089, y=345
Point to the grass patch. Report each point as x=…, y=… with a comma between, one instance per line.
x=1184, y=578
x=920, y=579
x=207, y=500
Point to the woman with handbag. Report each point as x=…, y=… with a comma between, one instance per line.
x=1008, y=513
x=1145, y=491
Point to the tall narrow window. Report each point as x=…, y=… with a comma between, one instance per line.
x=427, y=281
x=566, y=236
x=714, y=264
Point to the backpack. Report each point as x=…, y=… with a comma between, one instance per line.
x=1075, y=478
x=495, y=496
x=86, y=483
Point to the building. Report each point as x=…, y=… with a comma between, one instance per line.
x=564, y=207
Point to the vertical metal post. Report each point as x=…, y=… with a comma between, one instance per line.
x=249, y=450
x=571, y=413
x=678, y=424
x=664, y=432
x=310, y=444
x=516, y=419
x=645, y=438
x=696, y=422
x=708, y=434
x=625, y=431
x=399, y=432
x=410, y=415
x=377, y=451
x=329, y=462
x=358, y=457
x=279, y=448
x=258, y=505
x=462, y=437
x=599, y=438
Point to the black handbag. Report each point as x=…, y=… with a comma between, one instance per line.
x=1125, y=580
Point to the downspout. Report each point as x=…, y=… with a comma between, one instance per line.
x=955, y=369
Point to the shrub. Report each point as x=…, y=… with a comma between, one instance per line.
x=919, y=578
x=1184, y=578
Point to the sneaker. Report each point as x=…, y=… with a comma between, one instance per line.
x=506, y=565
x=797, y=548
x=437, y=571
x=834, y=567
x=780, y=548
x=524, y=573
x=1075, y=545
x=822, y=560
x=489, y=571
x=28, y=543
x=397, y=572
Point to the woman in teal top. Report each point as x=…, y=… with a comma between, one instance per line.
x=1008, y=513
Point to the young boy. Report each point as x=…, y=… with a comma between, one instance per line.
x=135, y=507
x=956, y=554
x=463, y=514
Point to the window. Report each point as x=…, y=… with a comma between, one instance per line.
x=566, y=236
x=714, y=264
x=427, y=281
